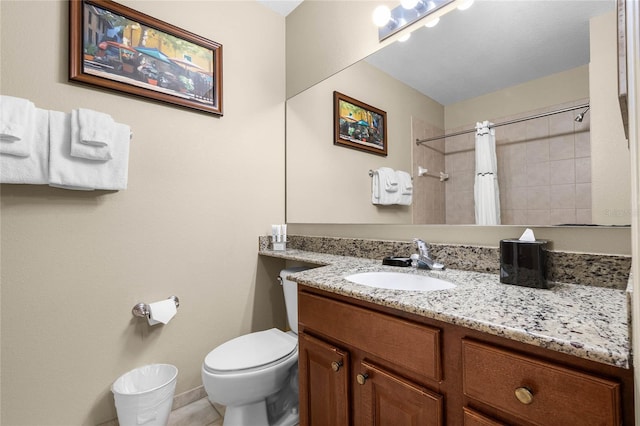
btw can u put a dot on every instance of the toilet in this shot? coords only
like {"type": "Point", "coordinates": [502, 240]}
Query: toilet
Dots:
{"type": "Point", "coordinates": [256, 375]}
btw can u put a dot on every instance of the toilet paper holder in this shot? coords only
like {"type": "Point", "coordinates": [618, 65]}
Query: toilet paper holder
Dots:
{"type": "Point", "coordinates": [141, 310]}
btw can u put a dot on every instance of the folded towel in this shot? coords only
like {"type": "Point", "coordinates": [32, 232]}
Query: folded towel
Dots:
{"type": "Point", "coordinates": [406, 188]}
{"type": "Point", "coordinates": [33, 169]}
{"type": "Point", "coordinates": [78, 173]}
{"type": "Point", "coordinates": [384, 189]}
{"type": "Point", "coordinates": [15, 114]}
{"type": "Point", "coordinates": [80, 149]}
{"type": "Point", "coordinates": [16, 124]}
{"type": "Point", "coordinates": [96, 128]}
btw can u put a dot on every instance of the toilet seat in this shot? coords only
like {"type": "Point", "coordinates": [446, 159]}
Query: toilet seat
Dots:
{"type": "Point", "coordinates": [251, 352]}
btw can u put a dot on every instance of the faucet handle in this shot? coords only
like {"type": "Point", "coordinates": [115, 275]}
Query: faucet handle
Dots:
{"type": "Point", "coordinates": [422, 247]}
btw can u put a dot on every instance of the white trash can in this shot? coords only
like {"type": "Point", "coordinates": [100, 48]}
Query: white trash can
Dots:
{"type": "Point", "coordinates": [144, 396]}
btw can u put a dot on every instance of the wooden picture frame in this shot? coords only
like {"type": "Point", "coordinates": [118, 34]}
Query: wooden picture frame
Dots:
{"type": "Point", "coordinates": [358, 125]}
{"type": "Point", "coordinates": [118, 48]}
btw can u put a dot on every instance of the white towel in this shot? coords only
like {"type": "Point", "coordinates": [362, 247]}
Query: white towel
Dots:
{"type": "Point", "coordinates": [406, 188]}
{"type": "Point", "coordinates": [33, 169]}
{"type": "Point", "coordinates": [81, 148]}
{"type": "Point", "coordinates": [17, 117]}
{"type": "Point", "coordinates": [384, 187]}
{"type": "Point", "coordinates": [78, 173]}
{"type": "Point", "coordinates": [96, 128]}
{"type": "Point", "coordinates": [13, 117]}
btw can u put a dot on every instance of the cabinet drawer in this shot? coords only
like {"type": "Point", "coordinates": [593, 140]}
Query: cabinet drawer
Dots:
{"type": "Point", "coordinates": [406, 344]}
{"type": "Point", "coordinates": [552, 394]}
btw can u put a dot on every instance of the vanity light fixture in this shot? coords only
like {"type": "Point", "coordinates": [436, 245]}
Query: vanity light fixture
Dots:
{"type": "Point", "coordinates": [390, 22]}
{"type": "Point", "coordinates": [432, 23]}
{"type": "Point", "coordinates": [381, 16]}
{"type": "Point", "coordinates": [409, 4]}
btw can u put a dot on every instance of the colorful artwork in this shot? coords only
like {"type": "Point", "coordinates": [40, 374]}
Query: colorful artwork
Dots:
{"type": "Point", "coordinates": [358, 125]}
{"type": "Point", "coordinates": [119, 48]}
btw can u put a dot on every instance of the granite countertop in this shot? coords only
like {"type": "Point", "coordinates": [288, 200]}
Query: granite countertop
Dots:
{"type": "Point", "coordinates": [584, 321]}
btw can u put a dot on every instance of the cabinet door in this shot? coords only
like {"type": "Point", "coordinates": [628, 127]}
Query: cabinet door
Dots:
{"type": "Point", "coordinates": [324, 383]}
{"type": "Point", "coordinates": [386, 399]}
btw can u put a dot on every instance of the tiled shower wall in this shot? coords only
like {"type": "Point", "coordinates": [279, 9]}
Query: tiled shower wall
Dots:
{"type": "Point", "coordinates": [428, 192]}
{"type": "Point", "coordinates": [544, 170]}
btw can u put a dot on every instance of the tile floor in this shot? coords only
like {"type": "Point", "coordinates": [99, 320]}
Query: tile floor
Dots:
{"type": "Point", "coordinates": [200, 412]}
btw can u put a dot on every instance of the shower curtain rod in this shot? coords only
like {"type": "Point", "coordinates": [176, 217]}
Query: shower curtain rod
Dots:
{"type": "Point", "coordinates": [518, 120]}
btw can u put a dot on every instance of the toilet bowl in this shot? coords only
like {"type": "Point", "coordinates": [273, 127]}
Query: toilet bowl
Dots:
{"type": "Point", "coordinates": [256, 375]}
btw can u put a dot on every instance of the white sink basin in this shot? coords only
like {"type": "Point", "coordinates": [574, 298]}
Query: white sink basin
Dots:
{"type": "Point", "coordinates": [399, 281]}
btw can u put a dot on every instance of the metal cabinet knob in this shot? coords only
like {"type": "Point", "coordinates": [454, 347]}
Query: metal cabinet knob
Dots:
{"type": "Point", "coordinates": [336, 365]}
{"type": "Point", "coordinates": [524, 395]}
{"type": "Point", "coordinates": [362, 378]}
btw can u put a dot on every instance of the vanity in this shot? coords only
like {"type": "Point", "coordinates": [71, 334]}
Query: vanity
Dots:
{"type": "Point", "coordinates": [482, 353]}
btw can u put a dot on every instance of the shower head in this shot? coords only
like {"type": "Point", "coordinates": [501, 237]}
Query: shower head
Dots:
{"type": "Point", "coordinates": [580, 116]}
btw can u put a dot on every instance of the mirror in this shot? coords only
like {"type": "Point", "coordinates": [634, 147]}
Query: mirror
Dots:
{"type": "Point", "coordinates": [536, 58]}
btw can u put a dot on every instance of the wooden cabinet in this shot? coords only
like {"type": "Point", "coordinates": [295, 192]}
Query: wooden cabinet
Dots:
{"type": "Point", "coordinates": [349, 359]}
{"type": "Point", "coordinates": [363, 364]}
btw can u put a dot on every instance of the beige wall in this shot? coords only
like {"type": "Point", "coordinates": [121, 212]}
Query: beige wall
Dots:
{"type": "Point", "coordinates": [611, 183]}
{"type": "Point", "coordinates": [201, 189]}
{"type": "Point", "coordinates": [331, 184]}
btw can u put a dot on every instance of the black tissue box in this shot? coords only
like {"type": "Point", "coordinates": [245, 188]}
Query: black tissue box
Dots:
{"type": "Point", "coordinates": [524, 263]}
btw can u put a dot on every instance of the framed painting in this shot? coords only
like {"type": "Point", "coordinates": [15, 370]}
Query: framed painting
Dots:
{"type": "Point", "coordinates": [115, 47]}
{"type": "Point", "coordinates": [358, 125]}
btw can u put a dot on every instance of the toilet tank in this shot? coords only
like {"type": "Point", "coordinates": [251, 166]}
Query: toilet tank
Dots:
{"type": "Point", "coordinates": [290, 289]}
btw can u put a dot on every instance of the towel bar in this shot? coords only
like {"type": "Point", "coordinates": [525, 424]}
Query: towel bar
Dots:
{"type": "Point", "coordinates": [141, 310]}
{"type": "Point", "coordinates": [424, 172]}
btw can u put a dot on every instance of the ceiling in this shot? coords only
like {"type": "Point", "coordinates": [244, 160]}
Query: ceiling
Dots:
{"type": "Point", "coordinates": [493, 45]}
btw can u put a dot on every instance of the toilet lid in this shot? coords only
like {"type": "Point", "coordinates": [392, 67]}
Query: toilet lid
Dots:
{"type": "Point", "coordinates": [251, 350]}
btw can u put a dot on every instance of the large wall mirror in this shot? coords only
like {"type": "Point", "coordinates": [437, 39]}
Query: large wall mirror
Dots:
{"type": "Point", "coordinates": [497, 61]}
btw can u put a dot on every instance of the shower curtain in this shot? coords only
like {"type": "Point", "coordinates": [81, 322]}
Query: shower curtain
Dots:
{"type": "Point", "coordinates": [487, 196]}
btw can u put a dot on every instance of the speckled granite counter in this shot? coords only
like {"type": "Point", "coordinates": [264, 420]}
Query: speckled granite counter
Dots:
{"type": "Point", "coordinates": [584, 321]}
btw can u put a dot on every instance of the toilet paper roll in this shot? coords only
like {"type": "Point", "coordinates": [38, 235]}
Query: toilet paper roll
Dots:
{"type": "Point", "coordinates": [161, 312]}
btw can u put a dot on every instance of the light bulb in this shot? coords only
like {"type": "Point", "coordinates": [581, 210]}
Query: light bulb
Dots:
{"type": "Point", "coordinates": [405, 37]}
{"type": "Point", "coordinates": [432, 23]}
{"type": "Point", "coordinates": [464, 5]}
{"type": "Point", "coordinates": [409, 4]}
{"type": "Point", "coordinates": [381, 15]}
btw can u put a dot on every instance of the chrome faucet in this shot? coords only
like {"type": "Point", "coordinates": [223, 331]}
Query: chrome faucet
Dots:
{"type": "Point", "coordinates": [422, 259]}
